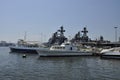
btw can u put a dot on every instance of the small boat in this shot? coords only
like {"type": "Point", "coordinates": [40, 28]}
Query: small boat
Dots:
{"type": "Point", "coordinates": [65, 49]}
{"type": "Point", "coordinates": [113, 53]}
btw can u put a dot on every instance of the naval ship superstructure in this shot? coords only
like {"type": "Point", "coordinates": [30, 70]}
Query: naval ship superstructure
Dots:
{"type": "Point", "coordinates": [57, 37]}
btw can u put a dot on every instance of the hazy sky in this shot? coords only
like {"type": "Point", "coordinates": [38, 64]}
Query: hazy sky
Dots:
{"type": "Point", "coordinates": [43, 17]}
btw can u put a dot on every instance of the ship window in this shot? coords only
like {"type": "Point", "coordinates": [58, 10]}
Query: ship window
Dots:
{"type": "Point", "coordinates": [67, 44]}
{"type": "Point", "coordinates": [55, 47]}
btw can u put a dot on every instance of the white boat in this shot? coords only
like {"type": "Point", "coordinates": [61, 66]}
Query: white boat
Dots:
{"type": "Point", "coordinates": [111, 53]}
{"type": "Point", "coordinates": [65, 49]}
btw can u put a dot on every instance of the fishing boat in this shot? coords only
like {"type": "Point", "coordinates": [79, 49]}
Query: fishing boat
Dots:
{"type": "Point", "coordinates": [65, 49]}
{"type": "Point", "coordinates": [113, 53]}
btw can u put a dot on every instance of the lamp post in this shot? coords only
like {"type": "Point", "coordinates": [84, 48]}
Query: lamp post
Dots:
{"type": "Point", "coordinates": [115, 34]}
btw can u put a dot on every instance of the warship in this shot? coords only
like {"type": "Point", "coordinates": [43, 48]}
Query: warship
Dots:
{"type": "Point", "coordinates": [82, 38]}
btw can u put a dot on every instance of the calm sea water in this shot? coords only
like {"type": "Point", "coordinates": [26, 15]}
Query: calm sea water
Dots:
{"type": "Point", "coordinates": [33, 67]}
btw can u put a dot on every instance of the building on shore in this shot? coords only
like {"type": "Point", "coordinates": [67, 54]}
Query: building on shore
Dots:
{"type": "Point", "coordinates": [6, 44]}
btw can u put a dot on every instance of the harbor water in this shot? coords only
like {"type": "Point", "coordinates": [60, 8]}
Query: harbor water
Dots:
{"type": "Point", "coordinates": [14, 67]}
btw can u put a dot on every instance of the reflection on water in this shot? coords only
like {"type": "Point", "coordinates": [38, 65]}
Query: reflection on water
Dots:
{"type": "Point", "coordinates": [33, 67]}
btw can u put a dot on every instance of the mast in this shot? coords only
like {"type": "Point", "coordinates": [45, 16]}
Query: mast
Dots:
{"type": "Point", "coordinates": [85, 37]}
{"type": "Point", "coordinates": [25, 36]}
{"type": "Point", "coordinates": [85, 31]}
{"type": "Point", "coordinates": [61, 30]}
